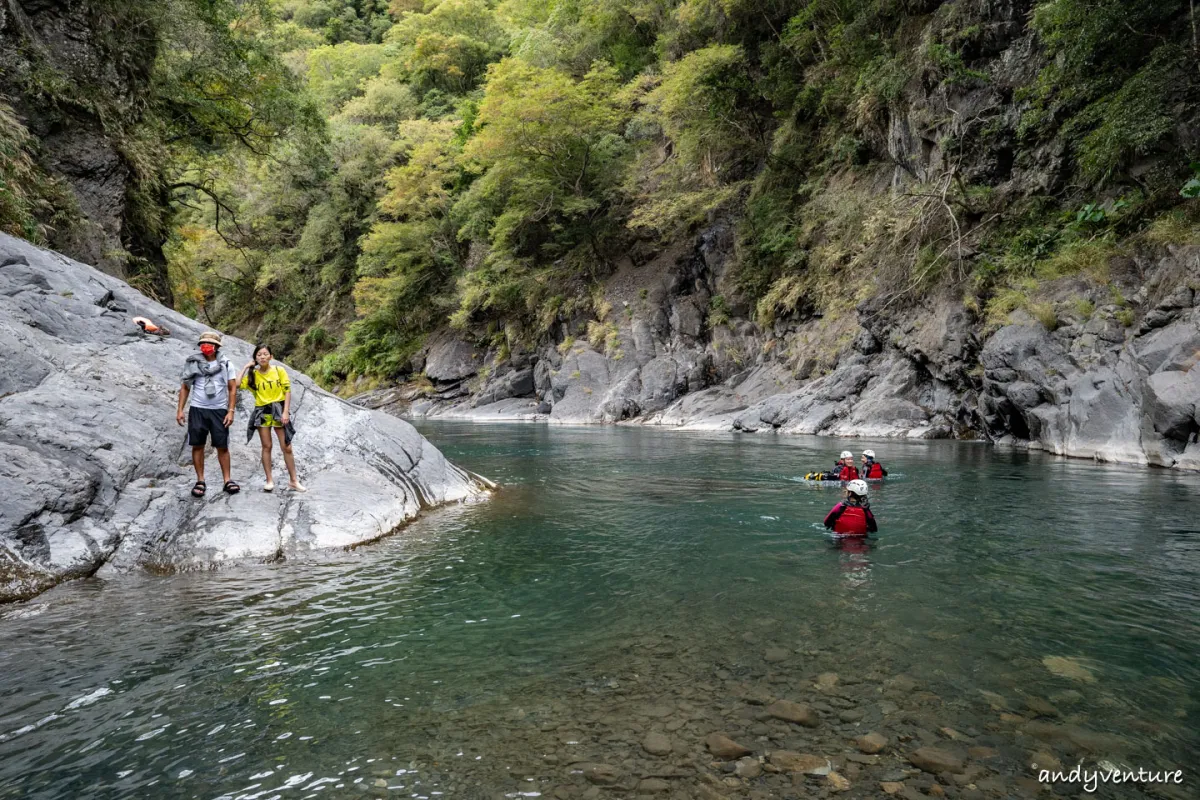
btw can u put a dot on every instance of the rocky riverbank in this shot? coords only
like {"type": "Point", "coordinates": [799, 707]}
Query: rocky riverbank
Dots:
{"type": "Point", "coordinates": [1108, 375]}
{"type": "Point", "coordinates": [94, 475]}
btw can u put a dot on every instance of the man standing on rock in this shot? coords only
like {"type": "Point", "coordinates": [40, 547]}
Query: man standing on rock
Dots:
{"type": "Point", "coordinates": [209, 379]}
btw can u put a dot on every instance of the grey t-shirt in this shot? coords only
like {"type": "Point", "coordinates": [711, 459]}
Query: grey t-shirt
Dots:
{"type": "Point", "coordinates": [219, 382]}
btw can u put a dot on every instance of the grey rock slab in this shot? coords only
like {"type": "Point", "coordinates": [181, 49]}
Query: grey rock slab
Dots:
{"type": "Point", "coordinates": [1170, 400]}
{"type": "Point", "coordinates": [452, 359]}
{"type": "Point", "coordinates": [93, 468]}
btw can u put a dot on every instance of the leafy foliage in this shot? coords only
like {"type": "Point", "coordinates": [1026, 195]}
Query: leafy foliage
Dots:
{"type": "Point", "coordinates": [484, 164]}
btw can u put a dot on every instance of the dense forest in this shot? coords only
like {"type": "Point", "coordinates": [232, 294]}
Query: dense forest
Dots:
{"type": "Point", "coordinates": [339, 178]}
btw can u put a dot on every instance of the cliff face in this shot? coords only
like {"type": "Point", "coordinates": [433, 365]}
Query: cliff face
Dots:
{"type": "Point", "coordinates": [76, 76]}
{"type": "Point", "coordinates": [911, 315]}
{"type": "Point", "coordinates": [93, 469]}
{"type": "Point", "coordinates": [1113, 381]}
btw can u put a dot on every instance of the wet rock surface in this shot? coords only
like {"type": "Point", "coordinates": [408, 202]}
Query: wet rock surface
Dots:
{"type": "Point", "coordinates": [93, 468]}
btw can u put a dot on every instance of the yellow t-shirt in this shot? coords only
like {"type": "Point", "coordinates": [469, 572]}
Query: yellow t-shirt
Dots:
{"type": "Point", "coordinates": [269, 386]}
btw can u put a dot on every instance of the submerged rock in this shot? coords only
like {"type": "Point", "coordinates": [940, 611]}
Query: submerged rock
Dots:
{"type": "Point", "coordinates": [871, 742]}
{"type": "Point", "coordinates": [602, 774]}
{"type": "Point", "coordinates": [725, 748]}
{"type": "Point", "coordinates": [798, 713]}
{"type": "Point", "coordinates": [1071, 668]}
{"type": "Point", "coordinates": [807, 763]}
{"type": "Point", "coordinates": [657, 744]}
{"type": "Point", "coordinates": [932, 759]}
{"type": "Point", "coordinates": [775, 655]}
{"type": "Point", "coordinates": [94, 470]}
{"type": "Point", "coordinates": [838, 782]}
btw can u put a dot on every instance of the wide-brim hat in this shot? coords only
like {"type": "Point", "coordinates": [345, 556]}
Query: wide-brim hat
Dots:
{"type": "Point", "coordinates": [210, 337]}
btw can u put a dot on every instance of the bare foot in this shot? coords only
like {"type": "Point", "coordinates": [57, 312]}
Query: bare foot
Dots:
{"type": "Point", "coordinates": [295, 487]}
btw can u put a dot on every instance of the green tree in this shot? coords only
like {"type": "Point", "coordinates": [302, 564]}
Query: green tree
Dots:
{"type": "Point", "coordinates": [704, 106]}
{"type": "Point", "coordinates": [449, 48]}
{"type": "Point", "coordinates": [551, 156]}
{"type": "Point", "coordinates": [337, 72]}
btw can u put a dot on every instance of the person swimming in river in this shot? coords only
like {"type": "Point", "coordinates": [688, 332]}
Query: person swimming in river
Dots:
{"type": "Point", "coordinates": [272, 390]}
{"type": "Point", "coordinates": [844, 467]}
{"type": "Point", "coordinates": [871, 470]}
{"type": "Point", "coordinates": [852, 516]}
{"type": "Point", "coordinates": [843, 470]}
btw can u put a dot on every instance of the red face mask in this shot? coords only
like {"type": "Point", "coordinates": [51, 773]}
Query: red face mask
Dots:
{"type": "Point", "coordinates": [208, 349]}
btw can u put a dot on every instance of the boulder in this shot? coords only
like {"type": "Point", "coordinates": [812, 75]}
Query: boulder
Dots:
{"type": "Point", "coordinates": [580, 385]}
{"type": "Point", "coordinates": [686, 317]}
{"type": "Point", "coordinates": [1170, 400]}
{"type": "Point", "coordinates": [451, 359]}
{"type": "Point", "coordinates": [662, 380]}
{"type": "Point", "coordinates": [93, 468]}
{"type": "Point", "coordinates": [514, 383]}
{"type": "Point", "coordinates": [1174, 347]}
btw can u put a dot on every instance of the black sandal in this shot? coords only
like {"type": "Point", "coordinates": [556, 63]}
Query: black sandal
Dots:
{"type": "Point", "coordinates": [199, 489]}
{"type": "Point", "coordinates": [231, 487]}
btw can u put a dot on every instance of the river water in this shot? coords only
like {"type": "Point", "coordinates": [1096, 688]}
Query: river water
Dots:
{"type": "Point", "coordinates": [622, 582]}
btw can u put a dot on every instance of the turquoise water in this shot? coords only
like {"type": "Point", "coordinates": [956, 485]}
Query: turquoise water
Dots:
{"type": "Point", "coordinates": [628, 580]}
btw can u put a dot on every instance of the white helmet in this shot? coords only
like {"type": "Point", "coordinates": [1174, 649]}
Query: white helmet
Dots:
{"type": "Point", "coordinates": [869, 453]}
{"type": "Point", "coordinates": [857, 487]}
{"type": "Point", "coordinates": [846, 454]}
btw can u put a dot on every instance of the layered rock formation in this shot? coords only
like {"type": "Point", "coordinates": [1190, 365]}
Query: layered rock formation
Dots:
{"type": "Point", "coordinates": [1113, 381]}
{"type": "Point", "coordinates": [93, 469]}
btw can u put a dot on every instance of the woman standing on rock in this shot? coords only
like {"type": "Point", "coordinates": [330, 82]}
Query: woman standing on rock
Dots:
{"type": "Point", "coordinates": [272, 390]}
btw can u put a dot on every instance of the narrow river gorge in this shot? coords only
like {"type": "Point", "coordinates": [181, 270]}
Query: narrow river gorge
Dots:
{"type": "Point", "coordinates": [626, 594]}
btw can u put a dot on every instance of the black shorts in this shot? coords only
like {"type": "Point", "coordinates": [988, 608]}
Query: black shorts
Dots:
{"type": "Point", "coordinates": [202, 422]}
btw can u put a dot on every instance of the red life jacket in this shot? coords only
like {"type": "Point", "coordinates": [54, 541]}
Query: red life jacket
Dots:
{"type": "Point", "coordinates": [875, 472]}
{"type": "Point", "coordinates": [848, 519]}
{"type": "Point", "coordinates": [848, 474]}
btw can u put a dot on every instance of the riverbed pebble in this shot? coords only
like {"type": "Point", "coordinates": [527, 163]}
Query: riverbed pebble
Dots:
{"type": "Point", "coordinates": [798, 713]}
{"type": "Point", "coordinates": [935, 760]}
{"type": "Point", "coordinates": [871, 742]}
{"type": "Point", "coordinates": [725, 748]}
